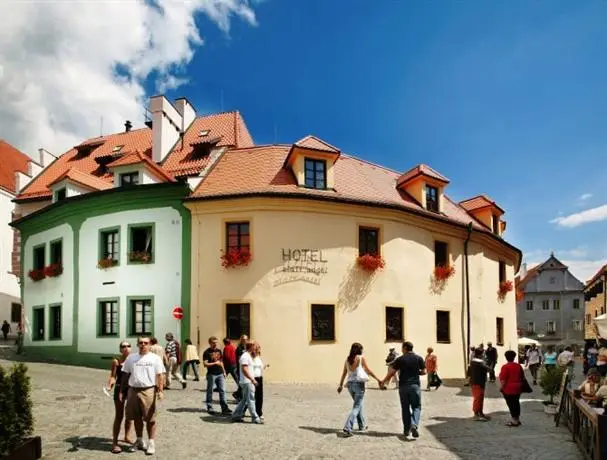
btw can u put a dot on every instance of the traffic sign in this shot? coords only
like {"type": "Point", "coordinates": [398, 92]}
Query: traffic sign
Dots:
{"type": "Point", "coordinates": [177, 312]}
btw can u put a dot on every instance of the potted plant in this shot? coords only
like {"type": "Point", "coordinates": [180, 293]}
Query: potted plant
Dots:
{"type": "Point", "coordinates": [140, 256]}
{"type": "Point", "coordinates": [370, 262]}
{"type": "Point", "coordinates": [443, 272]}
{"type": "Point", "coordinates": [504, 288]}
{"type": "Point", "coordinates": [550, 382]}
{"type": "Point", "coordinates": [53, 270]}
{"type": "Point", "coordinates": [36, 274]}
{"type": "Point", "coordinates": [107, 263]}
{"type": "Point", "coordinates": [16, 420]}
{"type": "Point", "coordinates": [235, 257]}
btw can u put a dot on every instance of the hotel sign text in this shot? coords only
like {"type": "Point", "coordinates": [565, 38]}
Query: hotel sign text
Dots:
{"type": "Point", "coordinates": [306, 265]}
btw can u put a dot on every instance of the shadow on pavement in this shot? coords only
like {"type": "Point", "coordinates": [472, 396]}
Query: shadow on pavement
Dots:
{"type": "Point", "coordinates": [339, 433]}
{"type": "Point", "coordinates": [216, 419]}
{"type": "Point", "coordinates": [179, 410]}
{"type": "Point", "coordinates": [89, 443]}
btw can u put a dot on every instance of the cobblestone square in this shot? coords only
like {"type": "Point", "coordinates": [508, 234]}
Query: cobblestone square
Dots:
{"type": "Point", "coordinates": [74, 418]}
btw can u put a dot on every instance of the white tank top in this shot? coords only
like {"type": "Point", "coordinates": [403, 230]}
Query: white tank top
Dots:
{"type": "Point", "coordinates": [357, 374]}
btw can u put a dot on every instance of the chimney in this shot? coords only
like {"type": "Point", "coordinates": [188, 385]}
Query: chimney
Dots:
{"type": "Point", "coordinates": [187, 112]}
{"type": "Point", "coordinates": [127, 126]}
{"type": "Point", "coordinates": [523, 270]}
{"type": "Point", "coordinates": [167, 124]}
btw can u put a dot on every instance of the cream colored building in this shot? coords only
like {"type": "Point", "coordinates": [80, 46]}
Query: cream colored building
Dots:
{"type": "Point", "coordinates": [304, 213]}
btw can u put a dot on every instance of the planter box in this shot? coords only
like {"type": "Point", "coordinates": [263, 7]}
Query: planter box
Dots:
{"type": "Point", "coordinates": [31, 449]}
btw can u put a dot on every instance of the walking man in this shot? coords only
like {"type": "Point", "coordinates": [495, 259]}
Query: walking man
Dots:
{"type": "Point", "coordinates": [172, 354]}
{"type": "Point", "coordinates": [143, 374]}
{"type": "Point", "coordinates": [410, 366]}
{"type": "Point", "coordinates": [229, 359]}
{"type": "Point", "coordinates": [240, 349]}
{"type": "Point", "coordinates": [247, 386]}
{"type": "Point", "coordinates": [534, 361]}
{"type": "Point", "coordinates": [212, 360]}
{"type": "Point", "coordinates": [491, 360]}
{"type": "Point", "coordinates": [6, 328]}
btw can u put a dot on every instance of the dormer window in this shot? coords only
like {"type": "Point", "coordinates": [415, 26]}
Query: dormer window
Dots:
{"type": "Point", "coordinates": [128, 179]}
{"type": "Point", "coordinates": [432, 198]}
{"type": "Point", "coordinates": [204, 132]}
{"type": "Point", "coordinates": [316, 173]}
{"type": "Point", "coordinates": [117, 148]}
{"type": "Point", "coordinates": [61, 194]}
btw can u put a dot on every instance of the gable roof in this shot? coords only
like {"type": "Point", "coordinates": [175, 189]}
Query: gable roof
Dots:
{"type": "Point", "coordinates": [313, 142]}
{"type": "Point", "coordinates": [133, 158]}
{"type": "Point", "coordinates": [478, 202]}
{"type": "Point", "coordinates": [87, 180]}
{"type": "Point", "coordinates": [229, 126]}
{"type": "Point", "coordinates": [421, 170]}
{"type": "Point", "coordinates": [11, 161]}
{"type": "Point", "coordinates": [260, 170]}
{"type": "Point", "coordinates": [553, 264]}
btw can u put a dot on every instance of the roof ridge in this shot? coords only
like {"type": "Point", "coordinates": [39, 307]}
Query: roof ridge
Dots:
{"type": "Point", "coordinates": [362, 160]}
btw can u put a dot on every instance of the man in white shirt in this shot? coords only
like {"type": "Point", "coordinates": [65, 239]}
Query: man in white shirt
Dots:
{"type": "Point", "coordinates": [534, 361]}
{"type": "Point", "coordinates": [247, 385]}
{"type": "Point", "coordinates": [143, 372]}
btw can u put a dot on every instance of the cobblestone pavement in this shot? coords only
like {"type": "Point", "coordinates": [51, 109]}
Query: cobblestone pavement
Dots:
{"type": "Point", "coordinates": [303, 422]}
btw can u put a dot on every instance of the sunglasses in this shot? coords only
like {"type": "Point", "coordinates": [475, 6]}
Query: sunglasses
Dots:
{"type": "Point", "coordinates": [126, 345]}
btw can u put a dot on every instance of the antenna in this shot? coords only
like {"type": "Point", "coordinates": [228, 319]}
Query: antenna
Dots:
{"type": "Point", "coordinates": [101, 126]}
{"type": "Point", "coordinates": [222, 99]}
{"type": "Point", "coordinates": [275, 132]}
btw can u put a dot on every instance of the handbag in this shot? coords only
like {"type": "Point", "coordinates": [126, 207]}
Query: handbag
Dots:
{"type": "Point", "coordinates": [525, 387]}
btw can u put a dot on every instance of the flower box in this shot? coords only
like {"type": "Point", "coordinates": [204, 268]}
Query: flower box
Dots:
{"type": "Point", "coordinates": [235, 258]}
{"type": "Point", "coordinates": [107, 263]}
{"type": "Point", "coordinates": [36, 274]}
{"type": "Point", "coordinates": [53, 270]}
{"type": "Point", "coordinates": [443, 272]}
{"type": "Point", "coordinates": [505, 288]}
{"type": "Point", "coordinates": [370, 262]}
{"type": "Point", "coordinates": [140, 257]}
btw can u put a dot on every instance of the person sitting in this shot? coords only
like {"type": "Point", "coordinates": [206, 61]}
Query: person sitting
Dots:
{"type": "Point", "coordinates": [590, 387]}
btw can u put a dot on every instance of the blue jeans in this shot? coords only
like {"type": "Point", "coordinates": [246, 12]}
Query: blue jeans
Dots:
{"type": "Point", "coordinates": [247, 402]}
{"type": "Point", "coordinates": [411, 405]}
{"type": "Point", "coordinates": [220, 381]}
{"type": "Point", "coordinates": [357, 391]}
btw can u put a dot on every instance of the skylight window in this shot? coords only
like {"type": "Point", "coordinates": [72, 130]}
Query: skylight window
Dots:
{"type": "Point", "coordinates": [204, 132]}
{"type": "Point", "coordinates": [117, 148]}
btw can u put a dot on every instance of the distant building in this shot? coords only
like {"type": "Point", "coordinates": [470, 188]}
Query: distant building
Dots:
{"type": "Point", "coordinates": [550, 304]}
{"type": "Point", "coordinates": [595, 301]}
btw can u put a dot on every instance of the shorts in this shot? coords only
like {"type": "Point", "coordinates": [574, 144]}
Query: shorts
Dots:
{"type": "Point", "coordinates": [141, 404]}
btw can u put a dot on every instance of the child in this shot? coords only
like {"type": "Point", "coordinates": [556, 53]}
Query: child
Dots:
{"type": "Point", "coordinates": [478, 380]}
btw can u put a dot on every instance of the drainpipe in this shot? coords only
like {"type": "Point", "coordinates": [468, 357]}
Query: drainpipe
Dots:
{"type": "Point", "coordinates": [467, 281]}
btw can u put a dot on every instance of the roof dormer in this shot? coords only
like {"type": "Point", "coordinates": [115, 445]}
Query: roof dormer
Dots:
{"type": "Point", "coordinates": [425, 185]}
{"type": "Point", "coordinates": [312, 161]}
{"type": "Point", "coordinates": [135, 168]}
{"type": "Point", "coordinates": [73, 183]}
{"type": "Point", "coordinates": [487, 212]}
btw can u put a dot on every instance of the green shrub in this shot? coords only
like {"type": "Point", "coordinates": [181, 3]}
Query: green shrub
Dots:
{"type": "Point", "coordinates": [16, 420]}
{"type": "Point", "coordinates": [550, 381]}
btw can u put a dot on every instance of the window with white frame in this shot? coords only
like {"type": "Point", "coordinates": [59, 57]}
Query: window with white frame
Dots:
{"type": "Point", "coordinates": [530, 305]}
{"type": "Point", "coordinates": [550, 327]}
{"type": "Point", "coordinates": [577, 325]}
{"type": "Point", "coordinates": [530, 327]}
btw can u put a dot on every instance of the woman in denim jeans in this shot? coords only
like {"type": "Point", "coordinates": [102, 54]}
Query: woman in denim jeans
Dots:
{"type": "Point", "coordinates": [358, 374]}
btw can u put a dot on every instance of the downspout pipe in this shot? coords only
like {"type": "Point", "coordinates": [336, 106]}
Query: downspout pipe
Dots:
{"type": "Point", "coordinates": [467, 281]}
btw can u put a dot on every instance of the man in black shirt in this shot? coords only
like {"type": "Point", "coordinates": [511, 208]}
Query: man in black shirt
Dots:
{"type": "Point", "coordinates": [491, 360]}
{"type": "Point", "coordinates": [410, 366]}
{"type": "Point", "coordinates": [213, 361]}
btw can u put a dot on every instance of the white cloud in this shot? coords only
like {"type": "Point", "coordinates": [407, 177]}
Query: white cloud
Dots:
{"type": "Point", "coordinates": [580, 218]}
{"type": "Point", "coordinates": [59, 61]}
{"type": "Point", "coordinates": [585, 196]}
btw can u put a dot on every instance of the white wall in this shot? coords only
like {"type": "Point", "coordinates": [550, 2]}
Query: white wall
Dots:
{"type": "Point", "coordinates": [50, 290]}
{"type": "Point", "coordinates": [9, 286]}
{"type": "Point", "coordinates": [71, 189]}
{"type": "Point", "coordinates": [161, 279]}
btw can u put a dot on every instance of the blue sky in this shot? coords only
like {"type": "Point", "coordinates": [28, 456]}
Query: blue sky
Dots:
{"type": "Point", "coordinates": [504, 98]}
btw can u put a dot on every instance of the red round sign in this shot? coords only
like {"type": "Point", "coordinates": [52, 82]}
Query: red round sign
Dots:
{"type": "Point", "coordinates": [177, 312]}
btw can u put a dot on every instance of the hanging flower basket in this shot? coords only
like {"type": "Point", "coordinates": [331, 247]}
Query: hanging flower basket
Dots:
{"type": "Point", "coordinates": [370, 262]}
{"type": "Point", "coordinates": [36, 274]}
{"type": "Point", "coordinates": [53, 270]}
{"type": "Point", "coordinates": [505, 288]}
{"type": "Point", "coordinates": [443, 272]}
{"type": "Point", "coordinates": [520, 295]}
{"type": "Point", "coordinates": [140, 257]}
{"type": "Point", "coordinates": [235, 257]}
{"type": "Point", "coordinates": [107, 263]}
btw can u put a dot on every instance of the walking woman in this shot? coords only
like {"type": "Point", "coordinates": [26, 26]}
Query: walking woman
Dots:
{"type": "Point", "coordinates": [511, 386]}
{"type": "Point", "coordinates": [550, 358]}
{"type": "Point", "coordinates": [116, 377]}
{"type": "Point", "coordinates": [358, 374]}
{"type": "Point", "coordinates": [258, 368]}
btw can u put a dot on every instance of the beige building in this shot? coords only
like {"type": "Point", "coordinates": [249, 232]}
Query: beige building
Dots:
{"type": "Point", "coordinates": [288, 243]}
{"type": "Point", "coordinates": [595, 301]}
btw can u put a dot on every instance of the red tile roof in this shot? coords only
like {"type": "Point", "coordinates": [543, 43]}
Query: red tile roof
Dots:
{"type": "Point", "coordinates": [602, 271]}
{"type": "Point", "coordinates": [11, 161]}
{"type": "Point", "coordinates": [520, 284]}
{"type": "Point", "coordinates": [313, 142]}
{"type": "Point", "coordinates": [137, 157]}
{"type": "Point", "coordinates": [478, 202]}
{"type": "Point", "coordinates": [229, 126]}
{"type": "Point", "coordinates": [261, 170]}
{"type": "Point", "coordinates": [421, 170]}
{"type": "Point", "coordinates": [84, 179]}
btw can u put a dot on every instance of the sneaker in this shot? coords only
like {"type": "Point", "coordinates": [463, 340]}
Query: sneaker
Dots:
{"type": "Point", "coordinates": [261, 418]}
{"type": "Point", "coordinates": [414, 432]}
{"type": "Point", "coordinates": [210, 411]}
{"type": "Point", "coordinates": [347, 434]}
{"type": "Point", "coordinates": [196, 380]}
{"type": "Point", "coordinates": [151, 450]}
{"type": "Point", "coordinates": [486, 417]}
{"type": "Point", "coordinates": [259, 421]}
{"type": "Point", "coordinates": [226, 412]}
{"type": "Point", "coordinates": [184, 384]}
{"type": "Point", "coordinates": [138, 445]}
{"type": "Point", "coordinates": [479, 418]}
{"type": "Point", "coordinates": [363, 429]}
